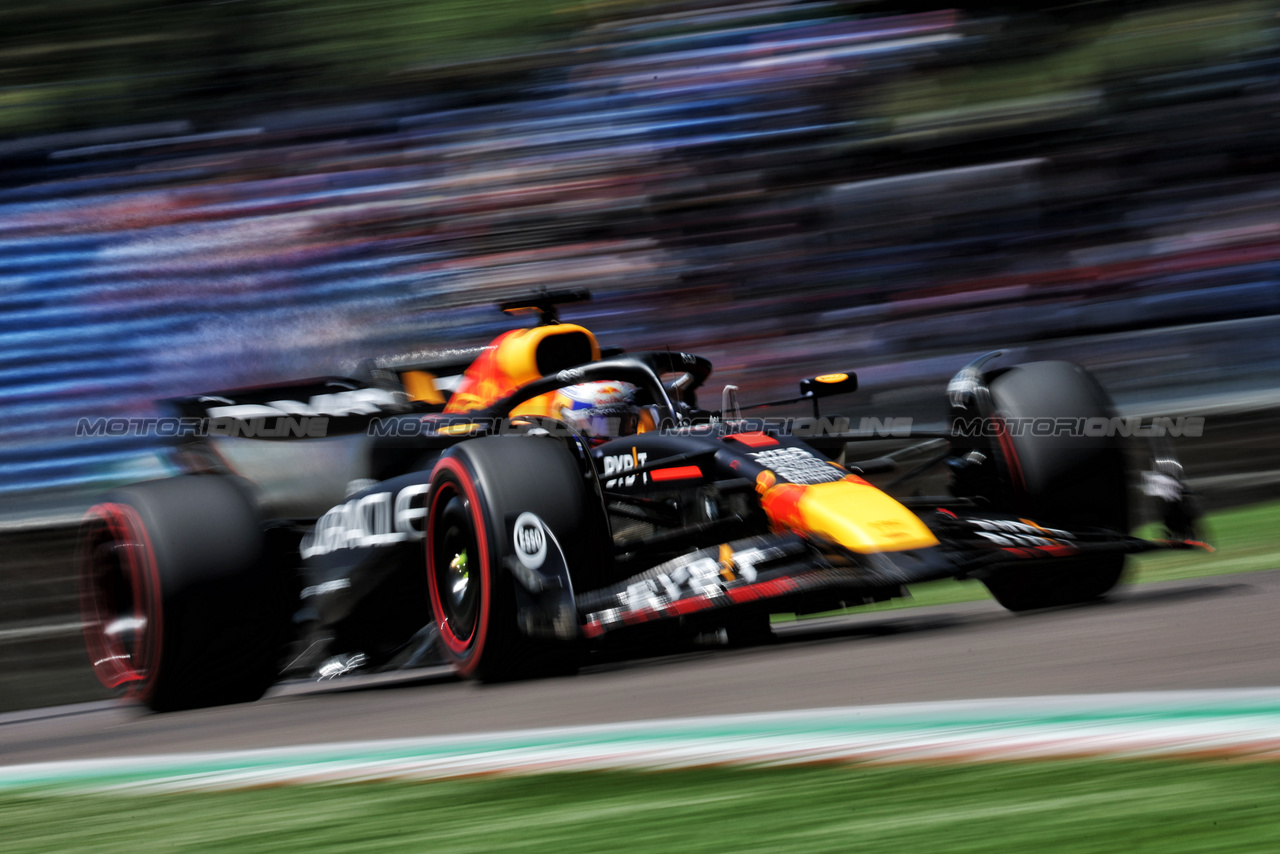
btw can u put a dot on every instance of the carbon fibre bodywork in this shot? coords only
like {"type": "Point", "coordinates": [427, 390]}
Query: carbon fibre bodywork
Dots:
{"type": "Point", "coordinates": [443, 511]}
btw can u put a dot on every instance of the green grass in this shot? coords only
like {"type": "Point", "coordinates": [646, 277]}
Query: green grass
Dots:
{"type": "Point", "coordinates": [1245, 539]}
{"type": "Point", "coordinates": [1075, 806]}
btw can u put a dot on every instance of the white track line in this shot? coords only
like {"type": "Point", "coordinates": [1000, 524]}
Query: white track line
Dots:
{"type": "Point", "coordinates": [1199, 723]}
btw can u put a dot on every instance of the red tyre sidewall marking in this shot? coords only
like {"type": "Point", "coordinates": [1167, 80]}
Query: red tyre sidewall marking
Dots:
{"type": "Point", "coordinates": [113, 666]}
{"type": "Point", "coordinates": [465, 664]}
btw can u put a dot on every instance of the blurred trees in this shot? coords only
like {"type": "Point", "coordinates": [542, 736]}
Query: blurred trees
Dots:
{"type": "Point", "coordinates": [82, 63]}
{"type": "Point", "coordinates": [70, 64]}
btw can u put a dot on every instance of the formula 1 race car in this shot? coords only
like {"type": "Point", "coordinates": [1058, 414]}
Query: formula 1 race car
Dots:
{"type": "Point", "coordinates": [482, 507]}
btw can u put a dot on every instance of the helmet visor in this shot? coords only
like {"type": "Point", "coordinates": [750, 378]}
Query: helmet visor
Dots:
{"type": "Point", "coordinates": [607, 422]}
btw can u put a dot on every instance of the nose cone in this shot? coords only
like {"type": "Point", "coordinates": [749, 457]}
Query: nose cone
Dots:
{"type": "Point", "coordinates": [853, 514]}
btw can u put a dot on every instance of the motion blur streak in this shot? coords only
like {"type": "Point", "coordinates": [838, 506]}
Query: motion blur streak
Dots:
{"type": "Point", "coordinates": [1241, 723]}
{"type": "Point", "coordinates": [888, 187]}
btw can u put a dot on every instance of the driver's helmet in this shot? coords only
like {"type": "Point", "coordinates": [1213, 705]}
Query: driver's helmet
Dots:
{"type": "Point", "coordinates": [600, 410]}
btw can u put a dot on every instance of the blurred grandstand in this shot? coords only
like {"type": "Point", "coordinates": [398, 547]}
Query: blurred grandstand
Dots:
{"type": "Point", "coordinates": [786, 187]}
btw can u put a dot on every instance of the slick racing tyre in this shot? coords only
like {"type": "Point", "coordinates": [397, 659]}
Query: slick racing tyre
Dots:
{"type": "Point", "coordinates": [484, 494]}
{"type": "Point", "coordinates": [1061, 478]}
{"type": "Point", "coordinates": [176, 609]}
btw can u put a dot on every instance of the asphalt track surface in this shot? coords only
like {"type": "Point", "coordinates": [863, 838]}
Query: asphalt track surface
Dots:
{"type": "Point", "coordinates": [1217, 632]}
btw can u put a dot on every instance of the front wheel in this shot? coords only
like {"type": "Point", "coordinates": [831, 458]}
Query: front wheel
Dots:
{"type": "Point", "coordinates": [461, 576]}
{"type": "Point", "coordinates": [1073, 477]}
{"type": "Point", "coordinates": [496, 503]}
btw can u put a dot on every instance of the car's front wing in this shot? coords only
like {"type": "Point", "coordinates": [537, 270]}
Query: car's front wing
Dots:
{"type": "Point", "coordinates": [788, 571]}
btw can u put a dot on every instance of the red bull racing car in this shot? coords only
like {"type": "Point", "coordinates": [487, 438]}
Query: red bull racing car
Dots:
{"type": "Point", "coordinates": [514, 508]}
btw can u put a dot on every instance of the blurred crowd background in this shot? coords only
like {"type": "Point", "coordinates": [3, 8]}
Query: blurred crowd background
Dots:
{"type": "Point", "coordinates": [201, 195]}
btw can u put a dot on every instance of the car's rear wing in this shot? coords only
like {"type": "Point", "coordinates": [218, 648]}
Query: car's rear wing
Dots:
{"type": "Point", "coordinates": [328, 406]}
{"type": "Point", "coordinates": [312, 408]}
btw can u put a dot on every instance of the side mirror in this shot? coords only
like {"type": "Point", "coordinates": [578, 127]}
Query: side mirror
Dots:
{"type": "Point", "coordinates": [813, 388]}
{"type": "Point", "coordinates": [827, 385]}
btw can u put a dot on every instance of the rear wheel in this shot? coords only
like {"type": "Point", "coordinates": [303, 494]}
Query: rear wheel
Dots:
{"type": "Point", "coordinates": [482, 492]}
{"type": "Point", "coordinates": [1064, 477]}
{"type": "Point", "coordinates": [176, 608]}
